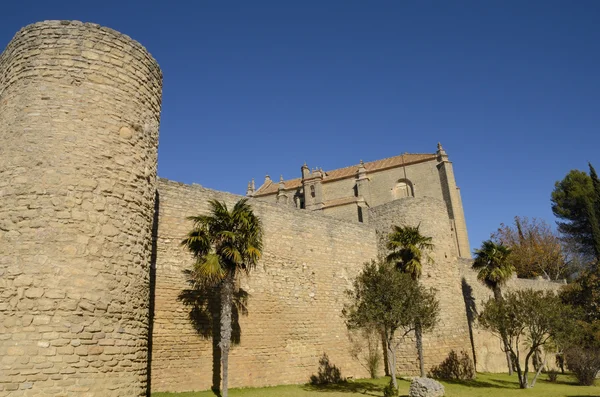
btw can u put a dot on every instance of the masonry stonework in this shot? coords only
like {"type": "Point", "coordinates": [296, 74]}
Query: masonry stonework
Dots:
{"type": "Point", "coordinates": [79, 116]}
{"type": "Point", "coordinates": [93, 298]}
{"type": "Point", "coordinates": [441, 274]}
{"type": "Point", "coordinates": [349, 192]}
{"type": "Point", "coordinates": [294, 296]}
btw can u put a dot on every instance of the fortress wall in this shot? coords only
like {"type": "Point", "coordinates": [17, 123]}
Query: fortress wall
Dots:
{"type": "Point", "coordinates": [443, 275]}
{"type": "Point", "coordinates": [348, 212]}
{"type": "Point", "coordinates": [79, 116]}
{"type": "Point", "coordinates": [489, 356]}
{"type": "Point", "coordinates": [295, 296]}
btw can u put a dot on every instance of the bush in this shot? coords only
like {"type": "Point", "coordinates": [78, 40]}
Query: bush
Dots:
{"type": "Point", "coordinates": [455, 367]}
{"type": "Point", "coordinates": [328, 373]}
{"type": "Point", "coordinates": [390, 390]}
{"type": "Point", "coordinates": [365, 349]}
{"type": "Point", "coordinates": [552, 376]}
{"type": "Point", "coordinates": [584, 362]}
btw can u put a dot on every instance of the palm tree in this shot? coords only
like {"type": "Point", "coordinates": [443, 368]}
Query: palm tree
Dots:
{"type": "Point", "coordinates": [494, 270]}
{"type": "Point", "coordinates": [407, 248]}
{"type": "Point", "coordinates": [223, 244]}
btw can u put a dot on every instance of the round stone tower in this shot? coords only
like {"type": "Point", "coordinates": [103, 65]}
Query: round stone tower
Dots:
{"type": "Point", "coordinates": [79, 116]}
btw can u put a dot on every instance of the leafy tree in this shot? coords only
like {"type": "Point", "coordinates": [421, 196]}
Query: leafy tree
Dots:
{"type": "Point", "coordinates": [593, 211]}
{"type": "Point", "coordinates": [223, 244]}
{"type": "Point", "coordinates": [407, 248]}
{"type": "Point", "coordinates": [535, 249]}
{"type": "Point", "coordinates": [576, 202]}
{"type": "Point", "coordinates": [581, 341]}
{"type": "Point", "coordinates": [527, 316]}
{"type": "Point", "coordinates": [494, 270]}
{"type": "Point", "coordinates": [582, 350]}
{"type": "Point", "coordinates": [389, 300]}
{"type": "Point", "coordinates": [584, 294]}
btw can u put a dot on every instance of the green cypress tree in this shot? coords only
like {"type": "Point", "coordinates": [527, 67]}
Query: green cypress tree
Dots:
{"type": "Point", "coordinates": [593, 211]}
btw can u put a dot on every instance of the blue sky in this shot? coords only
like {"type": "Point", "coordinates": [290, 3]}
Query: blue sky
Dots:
{"type": "Point", "coordinates": [510, 88]}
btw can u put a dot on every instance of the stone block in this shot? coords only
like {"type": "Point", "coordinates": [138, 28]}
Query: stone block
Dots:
{"type": "Point", "coordinates": [425, 387]}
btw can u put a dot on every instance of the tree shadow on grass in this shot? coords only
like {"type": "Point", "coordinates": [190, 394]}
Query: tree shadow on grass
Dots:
{"type": "Point", "coordinates": [476, 383]}
{"type": "Point", "coordinates": [366, 388]}
{"type": "Point", "coordinates": [204, 304]}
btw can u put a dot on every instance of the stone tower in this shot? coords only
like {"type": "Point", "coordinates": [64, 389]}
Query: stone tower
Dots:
{"type": "Point", "coordinates": [79, 116]}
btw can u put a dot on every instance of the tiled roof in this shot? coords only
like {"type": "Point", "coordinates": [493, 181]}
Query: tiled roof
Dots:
{"type": "Point", "coordinates": [346, 172]}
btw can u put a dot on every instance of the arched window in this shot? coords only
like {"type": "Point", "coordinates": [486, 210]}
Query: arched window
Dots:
{"type": "Point", "coordinates": [403, 188]}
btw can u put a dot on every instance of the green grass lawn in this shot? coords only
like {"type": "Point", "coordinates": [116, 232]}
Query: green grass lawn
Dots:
{"type": "Point", "coordinates": [486, 385]}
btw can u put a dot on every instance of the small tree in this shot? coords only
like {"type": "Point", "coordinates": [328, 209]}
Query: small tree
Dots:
{"type": "Point", "coordinates": [581, 340]}
{"type": "Point", "coordinates": [408, 250]}
{"type": "Point", "coordinates": [527, 320]}
{"type": "Point", "coordinates": [365, 348]}
{"type": "Point", "coordinates": [494, 270]}
{"type": "Point", "coordinates": [535, 249]}
{"type": "Point", "coordinates": [389, 300]}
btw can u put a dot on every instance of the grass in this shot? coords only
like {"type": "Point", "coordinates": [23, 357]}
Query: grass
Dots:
{"type": "Point", "coordinates": [486, 385]}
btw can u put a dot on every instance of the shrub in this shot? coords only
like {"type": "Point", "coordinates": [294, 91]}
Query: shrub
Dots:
{"type": "Point", "coordinates": [552, 375]}
{"type": "Point", "coordinates": [365, 349]}
{"type": "Point", "coordinates": [584, 362]}
{"type": "Point", "coordinates": [390, 390]}
{"type": "Point", "coordinates": [328, 373]}
{"type": "Point", "coordinates": [455, 367]}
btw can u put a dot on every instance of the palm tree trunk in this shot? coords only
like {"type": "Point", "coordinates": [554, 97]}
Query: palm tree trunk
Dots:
{"type": "Point", "coordinates": [419, 336]}
{"type": "Point", "coordinates": [225, 343]}
{"type": "Point", "coordinates": [498, 297]}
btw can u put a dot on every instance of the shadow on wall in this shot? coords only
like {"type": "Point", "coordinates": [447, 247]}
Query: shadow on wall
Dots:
{"type": "Point", "coordinates": [204, 304]}
{"type": "Point", "coordinates": [471, 310]}
{"type": "Point", "coordinates": [152, 293]}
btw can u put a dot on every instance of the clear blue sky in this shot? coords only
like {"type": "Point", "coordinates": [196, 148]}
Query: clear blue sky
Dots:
{"type": "Point", "coordinates": [510, 88]}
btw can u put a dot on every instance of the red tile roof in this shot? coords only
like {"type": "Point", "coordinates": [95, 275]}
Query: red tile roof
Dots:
{"type": "Point", "coordinates": [341, 173]}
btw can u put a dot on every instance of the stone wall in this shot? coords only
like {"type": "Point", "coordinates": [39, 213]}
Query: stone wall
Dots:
{"type": "Point", "coordinates": [348, 212]}
{"type": "Point", "coordinates": [295, 296]}
{"type": "Point", "coordinates": [79, 116]}
{"type": "Point", "coordinates": [488, 356]}
{"type": "Point", "coordinates": [91, 267]}
{"type": "Point", "coordinates": [431, 216]}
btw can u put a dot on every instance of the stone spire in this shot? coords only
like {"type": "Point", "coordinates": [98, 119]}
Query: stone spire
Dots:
{"type": "Point", "coordinates": [251, 188]}
{"type": "Point", "coordinates": [441, 153]}
{"type": "Point", "coordinates": [282, 197]}
{"type": "Point", "coordinates": [362, 171]}
{"type": "Point", "coordinates": [267, 178]}
{"type": "Point", "coordinates": [281, 183]}
{"type": "Point", "coordinates": [305, 171]}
